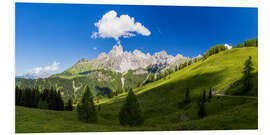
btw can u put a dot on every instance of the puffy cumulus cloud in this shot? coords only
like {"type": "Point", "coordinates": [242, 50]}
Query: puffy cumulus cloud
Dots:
{"type": "Point", "coordinates": [111, 26]}
{"type": "Point", "coordinates": [228, 46]}
{"type": "Point", "coordinates": [53, 67]}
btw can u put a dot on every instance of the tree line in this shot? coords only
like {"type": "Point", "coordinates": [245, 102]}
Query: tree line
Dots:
{"type": "Point", "coordinates": [47, 99]}
{"type": "Point", "coordinates": [248, 43]}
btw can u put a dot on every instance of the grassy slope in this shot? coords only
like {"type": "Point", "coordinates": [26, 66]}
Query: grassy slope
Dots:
{"type": "Point", "coordinates": [159, 102]}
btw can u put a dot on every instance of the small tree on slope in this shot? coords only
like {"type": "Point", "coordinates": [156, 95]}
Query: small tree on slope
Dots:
{"type": "Point", "coordinates": [247, 74]}
{"type": "Point", "coordinates": [130, 113]}
{"type": "Point", "coordinates": [69, 106]}
{"type": "Point", "coordinates": [210, 94]}
{"type": "Point", "coordinates": [201, 104]}
{"type": "Point", "coordinates": [86, 108]}
{"type": "Point", "coordinates": [187, 97]}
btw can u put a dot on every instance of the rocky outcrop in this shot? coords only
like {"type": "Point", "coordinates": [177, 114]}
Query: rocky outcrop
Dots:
{"type": "Point", "coordinates": [118, 60]}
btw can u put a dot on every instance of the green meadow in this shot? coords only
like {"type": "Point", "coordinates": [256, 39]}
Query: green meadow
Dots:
{"type": "Point", "coordinates": [159, 101]}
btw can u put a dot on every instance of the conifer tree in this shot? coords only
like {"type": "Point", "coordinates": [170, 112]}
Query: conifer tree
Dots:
{"type": "Point", "coordinates": [130, 113]}
{"type": "Point", "coordinates": [201, 104]}
{"type": "Point", "coordinates": [247, 74]}
{"type": "Point", "coordinates": [204, 97]}
{"type": "Point", "coordinates": [69, 106]}
{"type": "Point", "coordinates": [187, 97]}
{"type": "Point", "coordinates": [59, 101]}
{"type": "Point", "coordinates": [42, 104]}
{"type": "Point", "coordinates": [210, 94]}
{"type": "Point", "coordinates": [86, 109]}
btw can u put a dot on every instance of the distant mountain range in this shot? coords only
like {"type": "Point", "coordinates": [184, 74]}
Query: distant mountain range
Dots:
{"type": "Point", "coordinates": [121, 61]}
{"type": "Point", "coordinates": [34, 75]}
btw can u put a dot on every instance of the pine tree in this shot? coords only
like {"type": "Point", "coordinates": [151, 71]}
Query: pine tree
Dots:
{"type": "Point", "coordinates": [42, 104]}
{"type": "Point", "coordinates": [99, 108]}
{"type": "Point", "coordinates": [204, 97]}
{"type": "Point", "coordinates": [86, 109]}
{"type": "Point", "coordinates": [69, 106]}
{"type": "Point", "coordinates": [210, 94]}
{"type": "Point", "coordinates": [59, 101]}
{"type": "Point", "coordinates": [247, 74]}
{"type": "Point", "coordinates": [201, 104]}
{"type": "Point", "coordinates": [187, 97]}
{"type": "Point", "coordinates": [130, 113]}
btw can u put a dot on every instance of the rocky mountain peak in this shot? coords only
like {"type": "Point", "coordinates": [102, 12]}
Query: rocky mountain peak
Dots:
{"type": "Point", "coordinates": [118, 60]}
{"type": "Point", "coordinates": [83, 60]}
{"type": "Point", "coordinates": [117, 50]}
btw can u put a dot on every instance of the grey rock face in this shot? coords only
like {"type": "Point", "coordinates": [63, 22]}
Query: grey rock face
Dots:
{"type": "Point", "coordinates": [118, 60]}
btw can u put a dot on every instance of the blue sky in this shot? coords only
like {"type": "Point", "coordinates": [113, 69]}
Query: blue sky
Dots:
{"type": "Point", "coordinates": [56, 36]}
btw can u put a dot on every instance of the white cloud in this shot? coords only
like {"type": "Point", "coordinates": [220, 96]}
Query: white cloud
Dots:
{"type": "Point", "coordinates": [53, 67]}
{"type": "Point", "coordinates": [111, 26]}
{"type": "Point", "coordinates": [228, 46]}
{"type": "Point", "coordinates": [94, 48]}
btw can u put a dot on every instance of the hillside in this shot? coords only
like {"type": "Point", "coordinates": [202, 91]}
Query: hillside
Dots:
{"type": "Point", "coordinates": [159, 101]}
{"type": "Point", "coordinates": [115, 71]}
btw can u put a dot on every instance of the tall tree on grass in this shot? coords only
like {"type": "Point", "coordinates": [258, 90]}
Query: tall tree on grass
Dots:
{"type": "Point", "coordinates": [130, 113]}
{"type": "Point", "coordinates": [187, 97]}
{"type": "Point", "coordinates": [86, 108]}
{"type": "Point", "coordinates": [247, 74]}
{"type": "Point", "coordinates": [201, 104]}
{"type": "Point", "coordinates": [69, 106]}
{"type": "Point", "coordinates": [59, 101]}
{"type": "Point", "coordinates": [210, 94]}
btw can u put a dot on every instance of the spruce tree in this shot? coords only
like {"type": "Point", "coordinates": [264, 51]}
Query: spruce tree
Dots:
{"type": "Point", "coordinates": [59, 101]}
{"type": "Point", "coordinates": [201, 104]}
{"type": "Point", "coordinates": [86, 109]}
{"type": "Point", "coordinates": [69, 106]}
{"type": "Point", "coordinates": [187, 97]}
{"type": "Point", "coordinates": [247, 74]}
{"type": "Point", "coordinates": [130, 113]}
{"type": "Point", "coordinates": [43, 104]}
{"type": "Point", "coordinates": [210, 94]}
{"type": "Point", "coordinates": [204, 97]}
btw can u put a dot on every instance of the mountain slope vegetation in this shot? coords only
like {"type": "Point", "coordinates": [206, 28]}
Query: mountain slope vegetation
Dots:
{"type": "Point", "coordinates": [160, 100]}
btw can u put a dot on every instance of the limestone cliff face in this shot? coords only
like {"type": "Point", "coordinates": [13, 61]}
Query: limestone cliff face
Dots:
{"type": "Point", "coordinates": [118, 60]}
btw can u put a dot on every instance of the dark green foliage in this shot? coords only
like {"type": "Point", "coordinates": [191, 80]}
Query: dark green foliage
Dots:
{"type": "Point", "coordinates": [99, 108]}
{"type": "Point", "coordinates": [204, 97]}
{"type": "Point", "coordinates": [86, 108]}
{"type": "Point", "coordinates": [60, 102]}
{"type": "Point", "coordinates": [251, 43]}
{"type": "Point", "coordinates": [130, 113]}
{"type": "Point", "coordinates": [248, 43]}
{"type": "Point", "coordinates": [240, 45]}
{"type": "Point", "coordinates": [18, 96]}
{"type": "Point", "coordinates": [187, 97]}
{"type": "Point", "coordinates": [31, 97]}
{"type": "Point", "coordinates": [201, 105]}
{"type": "Point", "coordinates": [210, 94]}
{"type": "Point", "coordinates": [186, 101]}
{"type": "Point", "coordinates": [110, 94]}
{"type": "Point", "coordinates": [214, 50]}
{"type": "Point", "coordinates": [69, 106]}
{"type": "Point", "coordinates": [43, 104]}
{"type": "Point", "coordinates": [247, 74]}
